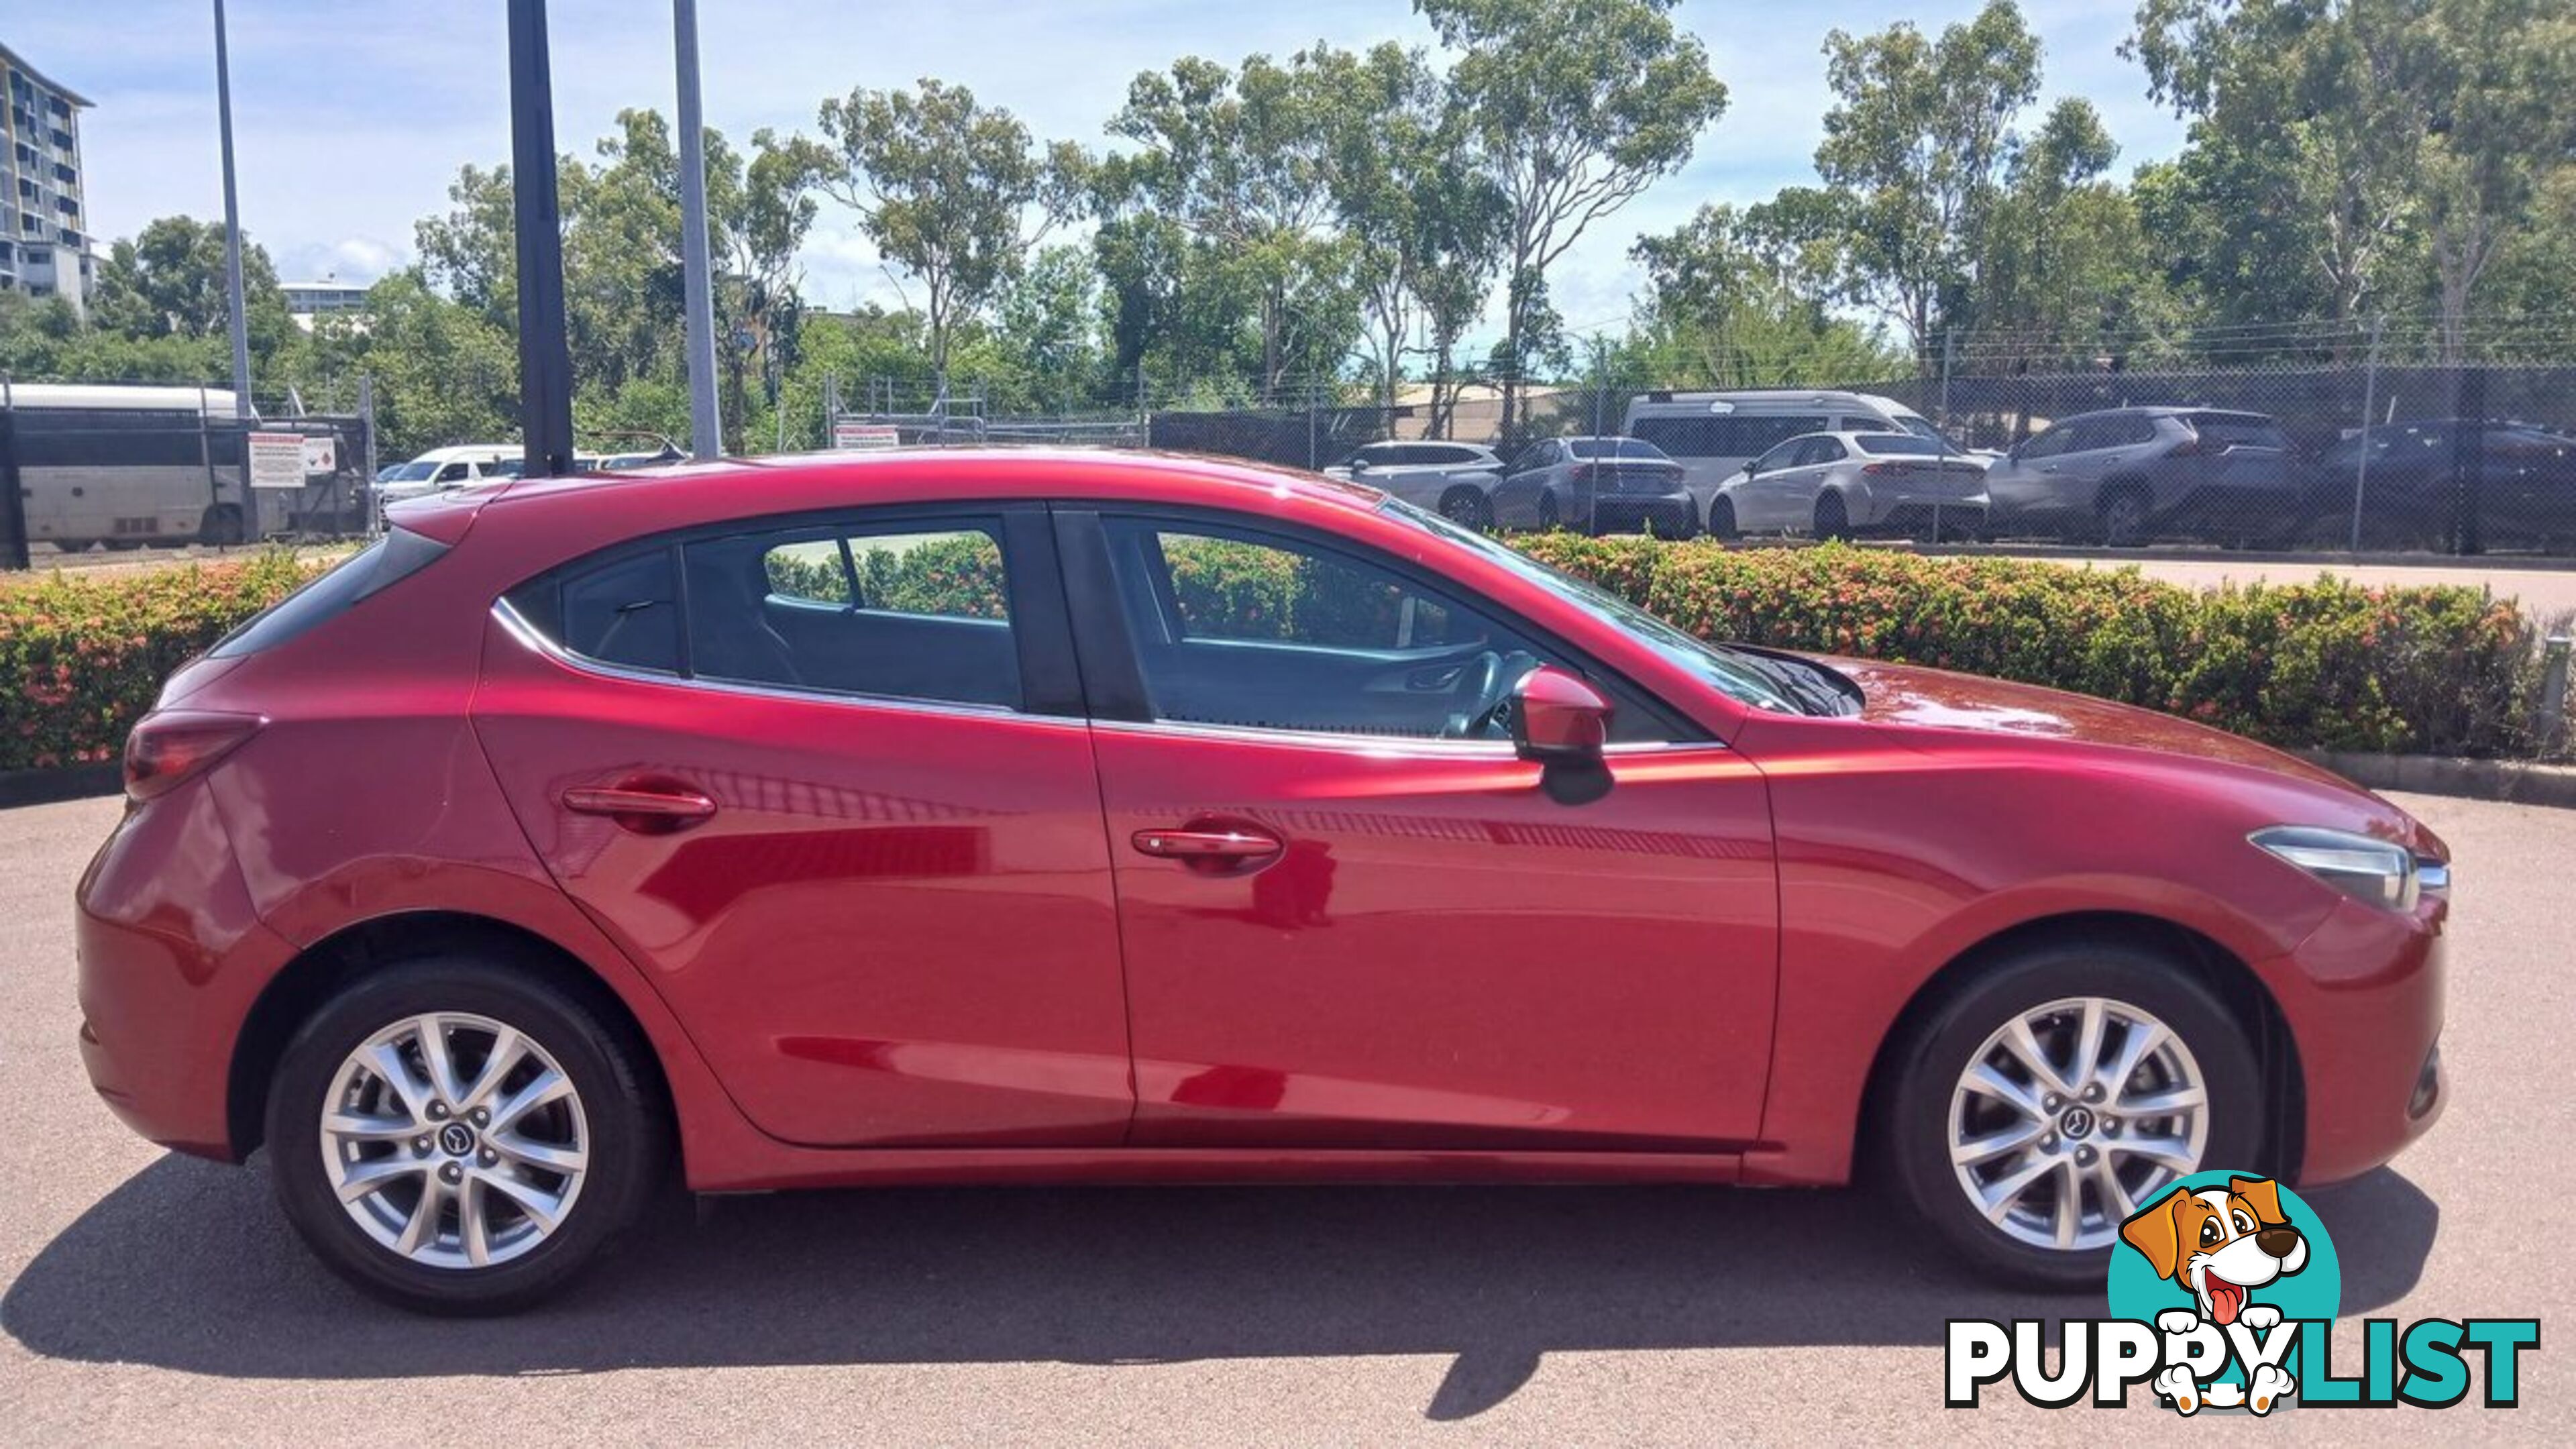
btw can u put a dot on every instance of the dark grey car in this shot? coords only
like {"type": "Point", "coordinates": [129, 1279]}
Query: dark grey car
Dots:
{"type": "Point", "coordinates": [1599, 485]}
{"type": "Point", "coordinates": [2126, 475]}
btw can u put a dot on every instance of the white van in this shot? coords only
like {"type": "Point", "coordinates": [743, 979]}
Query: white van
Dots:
{"type": "Point", "coordinates": [440, 469]}
{"type": "Point", "coordinates": [1714, 434]}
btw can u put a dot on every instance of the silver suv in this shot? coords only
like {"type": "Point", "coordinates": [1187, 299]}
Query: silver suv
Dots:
{"type": "Point", "coordinates": [2125, 475]}
{"type": "Point", "coordinates": [1456, 479]}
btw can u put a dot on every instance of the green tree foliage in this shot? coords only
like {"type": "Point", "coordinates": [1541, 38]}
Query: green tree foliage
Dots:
{"type": "Point", "coordinates": [952, 192]}
{"type": "Point", "coordinates": [1576, 107]}
{"type": "Point", "coordinates": [1915, 154]}
{"type": "Point", "coordinates": [1738, 298]}
{"type": "Point", "coordinates": [1424, 220]}
{"type": "Point", "coordinates": [1245, 163]}
{"type": "Point", "coordinates": [170, 281]}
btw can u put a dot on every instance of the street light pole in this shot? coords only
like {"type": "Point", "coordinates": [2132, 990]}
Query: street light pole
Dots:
{"type": "Point", "coordinates": [545, 356]}
{"type": "Point", "coordinates": [706, 434]}
{"type": "Point", "coordinates": [232, 223]}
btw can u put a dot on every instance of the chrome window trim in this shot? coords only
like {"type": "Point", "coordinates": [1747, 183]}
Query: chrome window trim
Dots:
{"type": "Point", "coordinates": [1377, 744]}
{"type": "Point", "coordinates": [518, 627]}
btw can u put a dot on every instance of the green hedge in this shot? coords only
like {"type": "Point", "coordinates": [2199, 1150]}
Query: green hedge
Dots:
{"type": "Point", "coordinates": [2431, 669]}
{"type": "Point", "coordinates": [2437, 670]}
{"type": "Point", "coordinates": [85, 656]}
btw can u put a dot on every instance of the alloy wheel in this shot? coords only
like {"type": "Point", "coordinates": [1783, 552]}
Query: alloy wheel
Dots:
{"type": "Point", "coordinates": [454, 1140]}
{"type": "Point", "coordinates": [2070, 1116]}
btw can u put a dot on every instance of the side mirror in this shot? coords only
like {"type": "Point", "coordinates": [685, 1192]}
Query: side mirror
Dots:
{"type": "Point", "coordinates": [1752, 466]}
{"type": "Point", "coordinates": [1562, 724]}
{"type": "Point", "coordinates": [1359, 466]}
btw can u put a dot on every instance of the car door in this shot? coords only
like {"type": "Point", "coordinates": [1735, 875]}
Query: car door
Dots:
{"type": "Point", "coordinates": [1780, 491]}
{"type": "Point", "coordinates": [2025, 482]}
{"type": "Point", "coordinates": [1516, 497]}
{"type": "Point", "coordinates": [827, 782]}
{"type": "Point", "coordinates": [1352, 919]}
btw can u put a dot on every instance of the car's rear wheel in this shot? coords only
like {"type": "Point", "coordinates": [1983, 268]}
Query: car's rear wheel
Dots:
{"type": "Point", "coordinates": [2066, 1086]}
{"type": "Point", "coordinates": [456, 1137]}
{"type": "Point", "coordinates": [1833, 518]}
{"type": "Point", "coordinates": [1467, 507]}
{"type": "Point", "coordinates": [2124, 518]}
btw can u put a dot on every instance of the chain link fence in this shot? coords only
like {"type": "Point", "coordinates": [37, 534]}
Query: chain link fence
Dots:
{"type": "Point", "coordinates": [2320, 456]}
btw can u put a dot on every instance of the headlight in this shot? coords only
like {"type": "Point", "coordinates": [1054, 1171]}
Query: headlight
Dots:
{"type": "Point", "coordinates": [2360, 866]}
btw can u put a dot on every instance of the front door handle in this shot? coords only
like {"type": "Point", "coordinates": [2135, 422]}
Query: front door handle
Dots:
{"type": "Point", "coordinates": [653, 809]}
{"type": "Point", "coordinates": [1214, 848]}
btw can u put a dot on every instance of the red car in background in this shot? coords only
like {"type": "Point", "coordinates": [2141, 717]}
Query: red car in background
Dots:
{"type": "Point", "coordinates": [1021, 816]}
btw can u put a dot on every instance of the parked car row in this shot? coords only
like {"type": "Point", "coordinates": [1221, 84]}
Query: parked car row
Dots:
{"type": "Point", "coordinates": [467, 464]}
{"type": "Point", "coordinates": [1839, 465]}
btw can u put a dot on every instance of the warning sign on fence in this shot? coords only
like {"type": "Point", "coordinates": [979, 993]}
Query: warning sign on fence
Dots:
{"type": "Point", "coordinates": [866, 435]}
{"type": "Point", "coordinates": [277, 460]}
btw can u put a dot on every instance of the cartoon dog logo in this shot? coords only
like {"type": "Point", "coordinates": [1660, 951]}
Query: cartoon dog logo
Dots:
{"type": "Point", "coordinates": [2219, 1245]}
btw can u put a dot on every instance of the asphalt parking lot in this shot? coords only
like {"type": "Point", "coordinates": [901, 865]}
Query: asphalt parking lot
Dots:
{"type": "Point", "coordinates": [146, 1297]}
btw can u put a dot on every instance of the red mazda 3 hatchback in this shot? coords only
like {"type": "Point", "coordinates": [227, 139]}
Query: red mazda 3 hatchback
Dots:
{"type": "Point", "coordinates": [1008, 816]}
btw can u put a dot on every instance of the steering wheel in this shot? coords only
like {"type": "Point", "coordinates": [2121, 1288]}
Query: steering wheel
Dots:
{"type": "Point", "coordinates": [1485, 688]}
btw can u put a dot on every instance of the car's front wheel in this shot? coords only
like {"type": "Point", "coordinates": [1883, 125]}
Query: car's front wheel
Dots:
{"type": "Point", "coordinates": [455, 1136]}
{"type": "Point", "coordinates": [2066, 1085]}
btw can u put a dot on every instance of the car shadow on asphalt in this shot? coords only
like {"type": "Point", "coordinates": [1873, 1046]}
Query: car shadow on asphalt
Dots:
{"type": "Point", "coordinates": [188, 1265]}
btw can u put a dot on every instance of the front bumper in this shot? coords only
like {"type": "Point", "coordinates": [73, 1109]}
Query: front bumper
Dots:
{"type": "Point", "coordinates": [2362, 997]}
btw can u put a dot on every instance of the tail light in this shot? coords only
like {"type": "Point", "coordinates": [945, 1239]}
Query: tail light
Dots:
{"type": "Point", "coordinates": [168, 748]}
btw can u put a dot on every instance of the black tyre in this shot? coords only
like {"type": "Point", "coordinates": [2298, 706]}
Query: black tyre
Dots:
{"type": "Point", "coordinates": [1721, 518]}
{"type": "Point", "coordinates": [2124, 518]}
{"type": "Point", "coordinates": [1833, 518]}
{"type": "Point", "coordinates": [1548, 517]}
{"type": "Point", "coordinates": [221, 525]}
{"type": "Point", "coordinates": [2065, 1085]}
{"type": "Point", "coordinates": [474, 1173]}
{"type": "Point", "coordinates": [1467, 507]}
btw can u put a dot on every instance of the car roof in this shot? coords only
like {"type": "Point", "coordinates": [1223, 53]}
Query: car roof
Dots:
{"type": "Point", "coordinates": [777, 483]}
{"type": "Point", "coordinates": [1690, 402]}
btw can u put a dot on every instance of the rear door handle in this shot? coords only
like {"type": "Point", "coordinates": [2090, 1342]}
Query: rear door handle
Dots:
{"type": "Point", "coordinates": [644, 809]}
{"type": "Point", "coordinates": [1209, 848]}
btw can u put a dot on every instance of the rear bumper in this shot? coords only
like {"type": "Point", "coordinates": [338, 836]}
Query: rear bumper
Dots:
{"type": "Point", "coordinates": [172, 956]}
{"type": "Point", "coordinates": [1669, 514]}
{"type": "Point", "coordinates": [2363, 1000]}
{"type": "Point", "coordinates": [1920, 515]}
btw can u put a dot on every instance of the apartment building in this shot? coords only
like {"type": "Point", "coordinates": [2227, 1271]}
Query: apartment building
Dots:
{"type": "Point", "coordinates": [44, 232]}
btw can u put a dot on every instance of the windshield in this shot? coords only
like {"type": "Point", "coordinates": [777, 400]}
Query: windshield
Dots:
{"type": "Point", "coordinates": [416, 471]}
{"type": "Point", "coordinates": [1748, 679]}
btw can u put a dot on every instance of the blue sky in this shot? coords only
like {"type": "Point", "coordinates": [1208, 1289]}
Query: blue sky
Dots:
{"type": "Point", "coordinates": [351, 118]}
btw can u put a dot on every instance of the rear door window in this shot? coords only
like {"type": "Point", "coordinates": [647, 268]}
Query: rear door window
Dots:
{"type": "Point", "coordinates": [2243, 430]}
{"type": "Point", "coordinates": [917, 612]}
